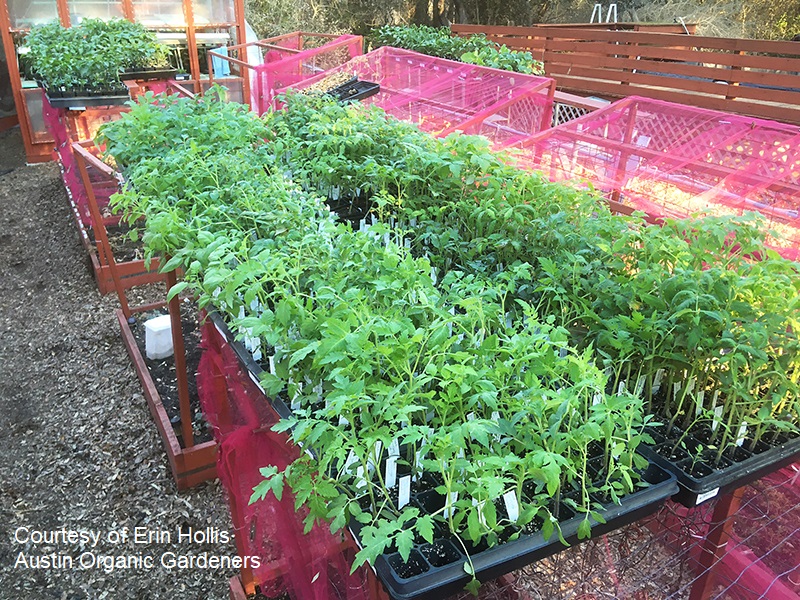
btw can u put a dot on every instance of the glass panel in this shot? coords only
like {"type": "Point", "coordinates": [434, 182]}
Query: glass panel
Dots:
{"type": "Point", "coordinates": [34, 103]}
{"type": "Point", "coordinates": [95, 9]}
{"type": "Point", "coordinates": [26, 13]}
{"type": "Point", "coordinates": [213, 11]}
{"type": "Point", "coordinates": [159, 13]}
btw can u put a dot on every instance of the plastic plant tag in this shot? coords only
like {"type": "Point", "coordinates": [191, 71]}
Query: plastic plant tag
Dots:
{"type": "Point", "coordinates": [495, 415]}
{"type": "Point", "coordinates": [596, 399]}
{"type": "Point", "coordinates": [376, 453]}
{"type": "Point", "coordinates": [676, 387]}
{"type": "Point", "coordinates": [391, 472]}
{"type": "Point", "coordinates": [272, 365]}
{"type": "Point", "coordinates": [657, 380]}
{"type": "Point", "coordinates": [740, 437]}
{"type": "Point", "coordinates": [512, 506]}
{"type": "Point", "coordinates": [404, 493]}
{"type": "Point", "coordinates": [471, 416]}
{"type": "Point", "coordinates": [717, 418]}
{"type": "Point", "coordinates": [296, 398]}
{"type": "Point", "coordinates": [452, 498]}
{"type": "Point", "coordinates": [351, 459]}
{"type": "Point", "coordinates": [706, 496]}
{"type": "Point", "coordinates": [701, 395]}
{"type": "Point", "coordinates": [714, 399]}
{"type": "Point", "coordinates": [361, 482]}
{"type": "Point", "coordinates": [639, 389]}
{"type": "Point", "coordinates": [394, 447]}
{"type": "Point", "coordinates": [343, 422]}
{"type": "Point", "coordinates": [621, 389]}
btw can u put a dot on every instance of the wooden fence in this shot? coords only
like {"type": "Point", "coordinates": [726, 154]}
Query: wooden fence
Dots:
{"type": "Point", "coordinates": [759, 78]}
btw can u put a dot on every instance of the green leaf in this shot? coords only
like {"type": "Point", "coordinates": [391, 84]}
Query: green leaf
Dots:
{"type": "Point", "coordinates": [177, 289]}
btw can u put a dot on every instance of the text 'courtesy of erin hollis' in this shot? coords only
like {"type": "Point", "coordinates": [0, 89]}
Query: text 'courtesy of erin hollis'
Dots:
{"type": "Point", "coordinates": [124, 548]}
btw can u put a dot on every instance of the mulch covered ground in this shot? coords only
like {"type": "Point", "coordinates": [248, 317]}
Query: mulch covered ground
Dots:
{"type": "Point", "coordinates": [79, 449]}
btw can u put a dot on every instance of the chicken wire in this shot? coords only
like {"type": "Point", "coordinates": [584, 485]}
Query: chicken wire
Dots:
{"type": "Point", "coordinates": [441, 96]}
{"type": "Point", "coordinates": [672, 160]}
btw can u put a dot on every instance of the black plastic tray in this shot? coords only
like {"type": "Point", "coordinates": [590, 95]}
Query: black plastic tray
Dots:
{"type": "Point", "coordinates": [86, 101]}
{"type": "Point", "coordinates": [693, 490]}
{"type": "Point", "coordinates": [442, 581]}
{"type": "Point", "coordinates": [148, 74]}
{"type": "Point", "coordinates": [355, 90]}
{"type": "Point", "coordinates": [439, 582]}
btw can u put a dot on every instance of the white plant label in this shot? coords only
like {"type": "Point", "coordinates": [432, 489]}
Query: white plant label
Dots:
{"type": "Point", "coordinates": [639, 386]}
{"type": "Point", "coordinates": [657, 380]}
{"type": "Point", "coordinates": [343, 422]}
{"type": "Point", "coordinates": [471, 416]}
{"type": "Point", "coordinates": [272, 365]}
{"type": "Point", "coordinates": [621, 388]}
{"type": "Point", "coordinates": [740, 437]}
{"type": "Point", "coordinates": [404, 493]}
{"type": "Point", "coordinates": [512, 506]}
{"type": "Point", "coordinates": [361, 482]}
{"type": "Point", "coordinates": [394, 447]}
{"type": "Point", "coordinates": [495, 415]}
{"type": "Point", "coordinates": [452, 498]}
{"type": "Point", "coordinates": [717, 418]}
{"type": "Point", "coordinates": [714, 398]}
{"type": "Point", "coordinates": [375, 454]}
{"type": "Point", "coordinates": [701, 395]}
{"type": "Point", "coordinates": [596, 399]}
{"type": "Point", "coordinates": [706, 496]}
{"type": "Point", "coordinates": [351, 459]}
{"type": "Point", "coordinates": [391, 472]}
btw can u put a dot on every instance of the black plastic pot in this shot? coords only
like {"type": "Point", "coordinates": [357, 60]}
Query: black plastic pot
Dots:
{"type": "Point", "coordinates": [700, 481]}
{"type": "Point", "coordinates": [436, 571]}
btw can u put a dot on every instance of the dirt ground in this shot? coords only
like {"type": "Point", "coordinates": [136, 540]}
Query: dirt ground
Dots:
{"type": "Point", "coordinates": [79, 449]}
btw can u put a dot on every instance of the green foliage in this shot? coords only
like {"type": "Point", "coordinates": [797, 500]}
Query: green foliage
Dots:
{"type": "Point", "coordinates": [494, 328]}
{"type": "Point", "coordinates": [476, 49]}
{"type": "Point", "coordinates": [93, 53]}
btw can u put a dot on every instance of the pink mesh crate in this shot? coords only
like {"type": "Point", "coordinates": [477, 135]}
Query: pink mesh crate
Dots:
{"type": "Point", "coordinates": [671, 160]}
{"type": "Point", "coordinates": [441, 96]}
{"type": "Point", "coordinates": [295, 57]}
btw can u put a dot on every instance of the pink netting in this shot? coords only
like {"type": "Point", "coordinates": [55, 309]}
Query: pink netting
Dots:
{"type": "Point", "coordinates": [67, 127]}
{"type": "Point", "coordinates": [674, 160]}
{"type": "Point", "coordinates": [313, 566]}
{"type": "Point", "coordinates": [441, 96]}
{"type": "Point", "coordinates": [293, 58]}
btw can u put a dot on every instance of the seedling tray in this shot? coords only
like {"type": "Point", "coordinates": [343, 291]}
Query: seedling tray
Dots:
{"type": "Point", "coordinates": [79, 102]}
{"type": "Point", "coordinates": [355, 90]}
{"type": "Point", "coordinates": [148, 74]}
{"type": "Point", "coordinates": [748, 467]}
{"type": "Point", "coordinates": [442, 563]}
